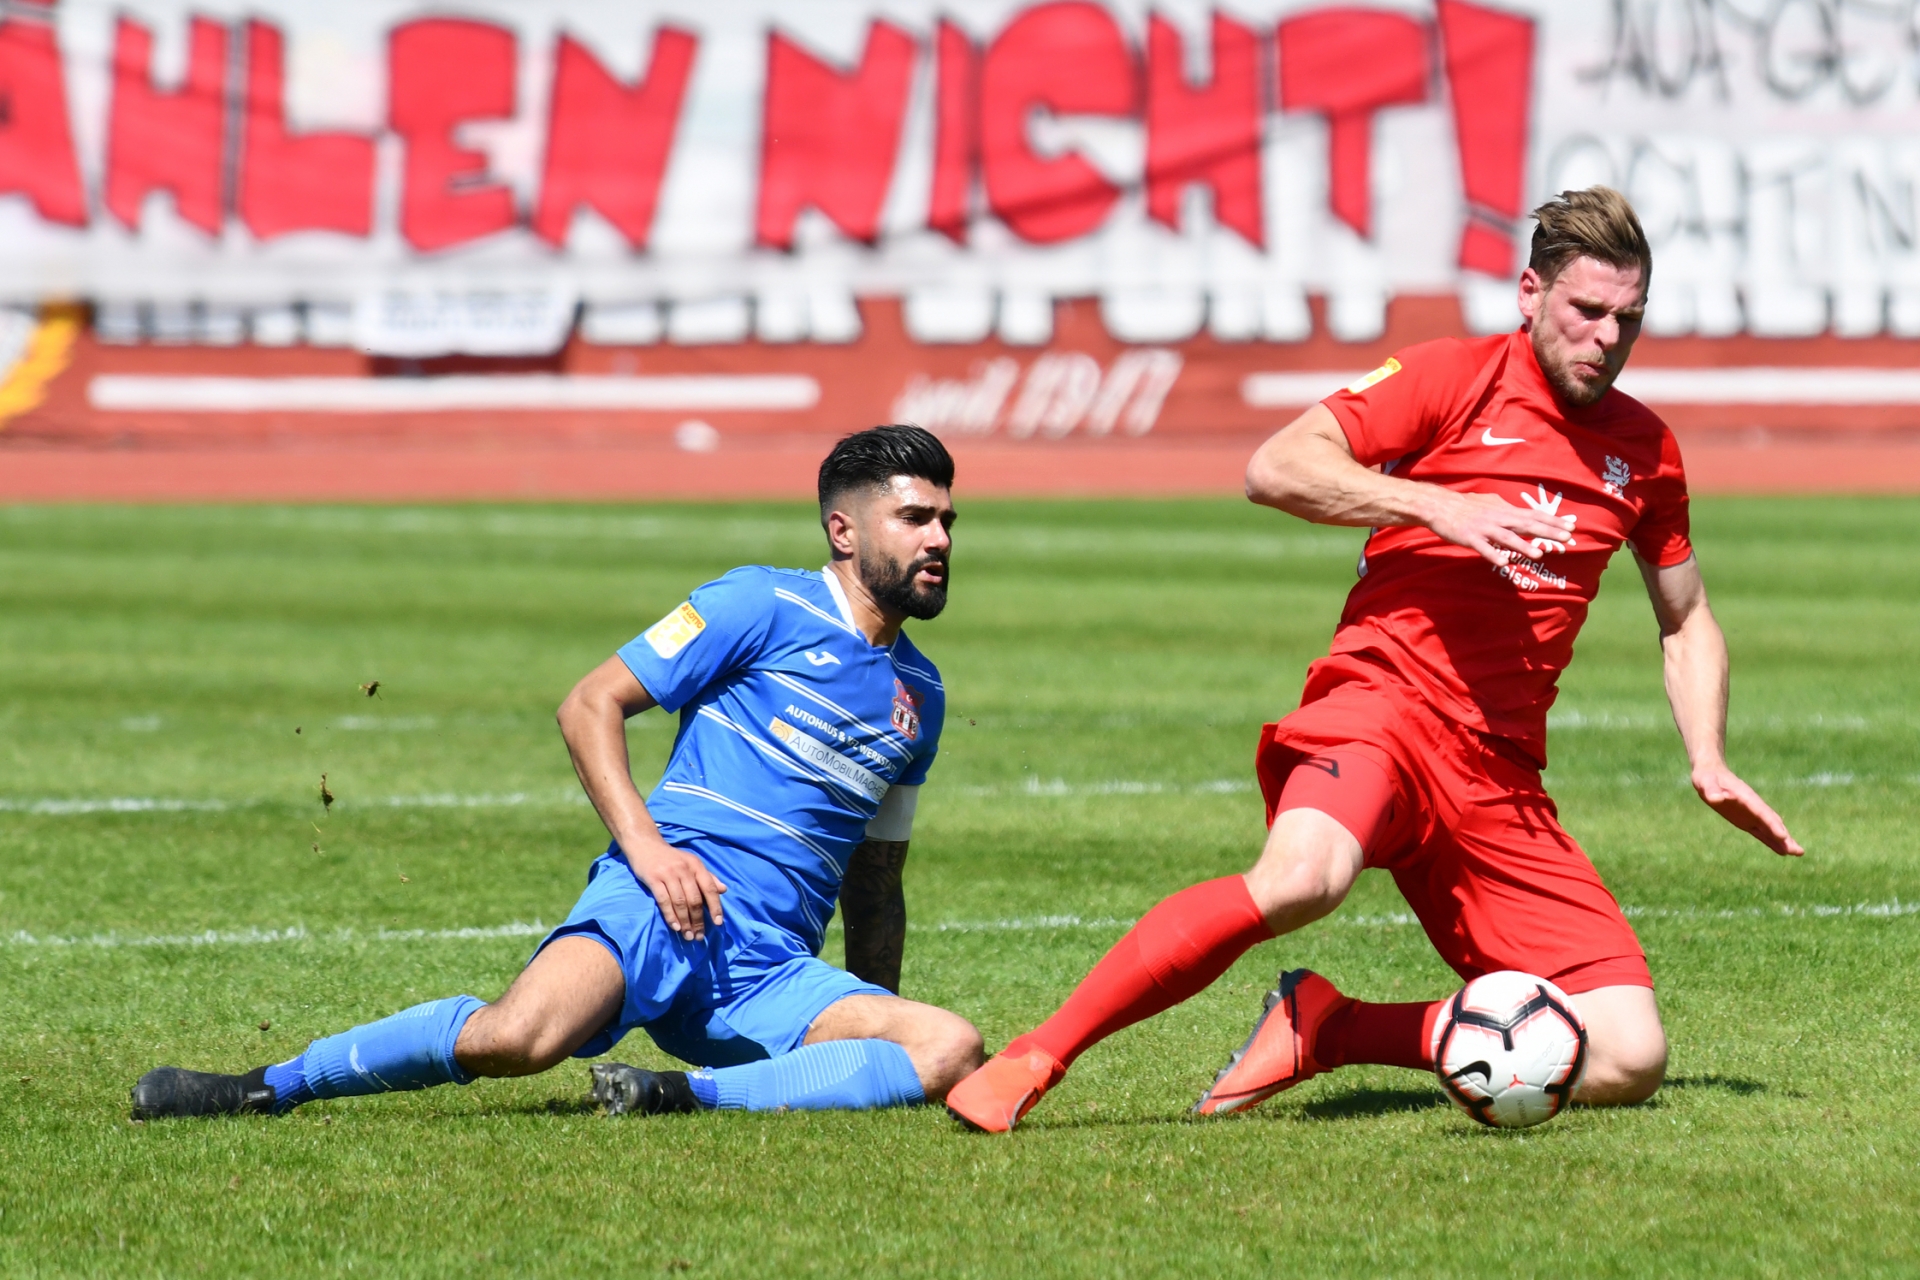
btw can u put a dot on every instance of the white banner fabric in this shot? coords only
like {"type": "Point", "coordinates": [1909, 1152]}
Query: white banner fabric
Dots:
{"type": "Point", "coordinates": [460, 176]}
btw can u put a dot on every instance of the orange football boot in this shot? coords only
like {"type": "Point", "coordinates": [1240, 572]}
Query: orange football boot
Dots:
{"type": "Point", "coordinates": [1278, 1055]}
{"type": "Point", "coordinates": [994, 1098]}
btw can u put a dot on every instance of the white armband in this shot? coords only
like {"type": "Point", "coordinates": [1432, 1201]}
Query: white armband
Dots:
{"type": "Point", "coordinates": [895, 819]}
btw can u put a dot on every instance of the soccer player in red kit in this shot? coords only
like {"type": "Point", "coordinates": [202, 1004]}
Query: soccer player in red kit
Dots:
{"type": "Point", "coordinates": [1498, 476]}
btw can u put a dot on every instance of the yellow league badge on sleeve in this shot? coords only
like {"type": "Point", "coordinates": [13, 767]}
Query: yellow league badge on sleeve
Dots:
{"type": "Point", "coordinates": [1381, 374]}
{"type": "Point", "coordinates": [675, 631]}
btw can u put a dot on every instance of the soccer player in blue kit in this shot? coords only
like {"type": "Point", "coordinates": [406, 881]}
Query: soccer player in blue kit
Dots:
{"type": "Point", "coordinates": [808, 721]}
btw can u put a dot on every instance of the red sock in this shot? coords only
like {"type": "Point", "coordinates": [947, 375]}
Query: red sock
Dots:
{"type": "Point", "coordinates": [1387, 1035]}
{"type": "Point", "coordinates": [1176, 950]}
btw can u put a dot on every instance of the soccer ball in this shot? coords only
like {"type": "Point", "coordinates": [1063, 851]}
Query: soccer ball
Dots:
{"type": "Point", "coordinates": [1509, 1049]}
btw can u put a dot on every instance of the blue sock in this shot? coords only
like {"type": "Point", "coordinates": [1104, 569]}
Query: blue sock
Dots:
{"type": "Point", "coordinates": [288, 1081]}
{"type": "Point", "coordinates": [413, 1049]}
{"type": "Point", "coordinates": [837, 1075]}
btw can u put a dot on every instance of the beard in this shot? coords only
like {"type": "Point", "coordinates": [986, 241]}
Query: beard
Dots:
{"type": "Point", "coordinates": [893, 585]}
{"type": "Point", "coordinates": [1570, 387]}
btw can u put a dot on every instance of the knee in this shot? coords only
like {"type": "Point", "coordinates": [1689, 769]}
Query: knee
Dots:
{"type": "Point", "coordinates": [949, 1050]}
{"type": "Point", "coordinates": [1643, 1072]}
{"type": "Point", "coordinates": [1306, 869]}
{"type": "Point", "coordinates": [1626, 1069]}
{"type": "Point", "coordinates": [500, 1042]}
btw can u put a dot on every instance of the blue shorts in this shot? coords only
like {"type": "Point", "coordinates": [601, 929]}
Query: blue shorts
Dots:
{"type": "Point", "coordinates": [746, 991]}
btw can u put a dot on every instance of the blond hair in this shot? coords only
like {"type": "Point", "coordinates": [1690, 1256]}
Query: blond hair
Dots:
{"type": "Point", "coordinates": [1594, 223]}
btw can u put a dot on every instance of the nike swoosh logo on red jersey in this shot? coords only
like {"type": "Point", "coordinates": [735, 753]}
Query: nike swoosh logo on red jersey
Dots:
{"type": "Point", "coordinates": [1487, 437]}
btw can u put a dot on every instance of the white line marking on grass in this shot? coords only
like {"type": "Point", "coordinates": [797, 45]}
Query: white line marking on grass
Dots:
{"type": "Point", "coordinates": [757, 536]}
{"type": "Point", "coordinates": [448, 800]}
{"type": "Point", "coordinates": [1396, 919]}
{"type": "Point", "coordinates": [1032, 788]}
{"type": "Point", "coordinates": [1784, 911]}
{"type": "Point", "coordinates": [1051, 787]}
{"type": "Point", "coordinates": [1574, 718]}
{"type": "Point", "coordinates": [1025, 925]}
{"type": "Point", "coordinates": [74, 806]}
{"type": "Point", "coordinates": [67, 807]}
{"type": "Point", "coordinates": [249, 937]}
{"type": "Point", "coordinates": [1046, 542]}
{"type": "Point", "coordinates": [1779, 911]}
{"type": "Point", "coordinates": [1762, 781]}
{"type": "Point", "coordinates": [252, 937]}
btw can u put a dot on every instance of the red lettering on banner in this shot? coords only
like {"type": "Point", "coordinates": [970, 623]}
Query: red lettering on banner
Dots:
{"type": "Point", "coordinates": [1489, 60]}
{"type": "Point", "coordinates": [1069, 58]}
{"type": "Point", "coordinates": [295, 182]}
{"type": "Point", "coordinates": [36, 142]}
{"type": "Point", "coordinates": [1207, 135]}
{"type": "Point", "coordinates": [956, 132]}
{"type": "Point", "coordinates": [1350, 63]}
{"type": "Point", "coordinates": [829, 137]}
{"type": "Point", "coordinates": [167, 141]}
{"type": "Point", "coordinates": [442, 73]}
{"type": "Point", "coordinates": [607, 144]}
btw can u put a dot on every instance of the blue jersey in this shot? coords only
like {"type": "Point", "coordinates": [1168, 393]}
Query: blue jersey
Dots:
{"type": "Point", "coordinates": [792, 728]}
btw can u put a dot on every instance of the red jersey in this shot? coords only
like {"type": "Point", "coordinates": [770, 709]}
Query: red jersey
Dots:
{"type": "Point", "coordinates": [1485, 645]}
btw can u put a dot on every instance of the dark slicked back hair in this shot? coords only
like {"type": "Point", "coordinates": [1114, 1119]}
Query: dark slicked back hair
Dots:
{"type": "Point", "coordinates": [1596, 222]}
{"type": "Point", "coordinates": [870, 459]}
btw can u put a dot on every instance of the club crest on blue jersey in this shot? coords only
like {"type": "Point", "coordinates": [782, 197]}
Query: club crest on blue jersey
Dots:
{"type": "Point", "coordinates": [793, 728]}
{"type": "Point", "coordinates": [906, 709]}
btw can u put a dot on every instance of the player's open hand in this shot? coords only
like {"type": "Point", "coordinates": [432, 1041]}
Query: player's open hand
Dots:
{"type": "Point", "coordinates": [688, 893]}
{"type": "Point", "coordinates": [1494, 527]}
{"type": "Point", "coordinates": [1741, 805]}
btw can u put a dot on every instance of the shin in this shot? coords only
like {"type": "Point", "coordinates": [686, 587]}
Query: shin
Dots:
{"type": "Point", "coordinates": [571, 990]}
{"type": "Point", "coordinates": [943, 1047]}
{"type": "Point", "coordinates": [862, 1052]}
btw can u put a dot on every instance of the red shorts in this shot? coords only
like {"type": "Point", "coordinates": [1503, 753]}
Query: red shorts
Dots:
{"type": "Point", "coordinates": [1462, 821]}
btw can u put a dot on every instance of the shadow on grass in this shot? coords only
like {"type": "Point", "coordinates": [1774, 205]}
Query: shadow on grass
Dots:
{"type": "Point", "coordinates": [1360, 1104]}
{"type": "Point", "coordinates": [1730, 1084]}
{"type": "Point", "coordinates": [1366, 1103]}
{"type": "Point", "coordinates": [550, 1107]}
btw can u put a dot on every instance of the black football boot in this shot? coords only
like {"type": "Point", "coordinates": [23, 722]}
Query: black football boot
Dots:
{"type": "Point", "coordinates": [171, 1092]}
{"type": "Point", "coordinates": [622, 1090]}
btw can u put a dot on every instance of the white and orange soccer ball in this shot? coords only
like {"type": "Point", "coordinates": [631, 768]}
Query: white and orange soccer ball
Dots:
{"type": "Point", "coordinates": [1509, 1049]}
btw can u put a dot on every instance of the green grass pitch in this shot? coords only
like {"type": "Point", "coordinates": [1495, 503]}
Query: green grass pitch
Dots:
{"type": "Point", "coordinates": [174, 681]}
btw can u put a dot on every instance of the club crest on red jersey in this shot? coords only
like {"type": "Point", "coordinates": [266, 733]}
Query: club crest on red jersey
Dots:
{"type": "Point", "coordinates": [1618, 476]}
{"type": "Point", "coordinates": [906, 709]}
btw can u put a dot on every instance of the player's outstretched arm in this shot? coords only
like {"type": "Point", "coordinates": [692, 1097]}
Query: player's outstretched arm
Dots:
{"type": "Point", "coordinates": [1695, 655]}
{"type": "Point", "coordinates": [593, 720]}
{"type": "Point", "coordinates": [873, 906]}
{"type": "Point", "coordinates": [1307, 469]}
